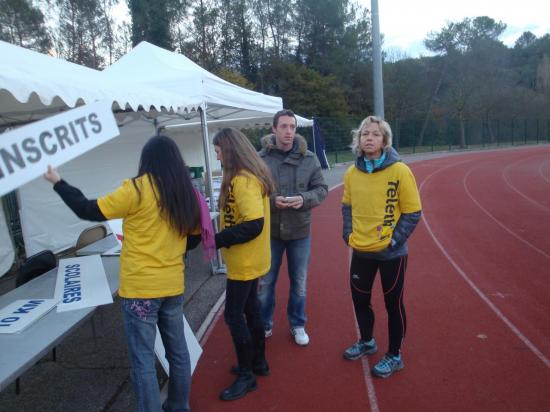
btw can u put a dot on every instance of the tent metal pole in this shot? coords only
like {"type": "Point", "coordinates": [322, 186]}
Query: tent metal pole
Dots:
{"type": "Point", "coordinates": [219, 268]}
{"type": "Point", "coordinates": [205, 145]}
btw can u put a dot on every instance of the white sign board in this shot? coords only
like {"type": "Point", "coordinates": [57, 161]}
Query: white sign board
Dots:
{"type": "Point", "coordinates": [26, 152]}
{"type": "Point", "coordinates": [116, 228]}
{"type": "Point", "coordinates": [81, 283]}
{"type": "Point", "coordinates": [195, 350]}
{"type": "Point", "coordinates": [18, 315]}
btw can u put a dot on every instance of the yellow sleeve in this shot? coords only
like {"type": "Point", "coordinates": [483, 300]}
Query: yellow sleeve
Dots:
{"type": "Point", "coordinates": [248, 197]}
{"type": "Point", "coordinates": [118, 204]}
{"type": "Point", "coordinates": [346, 198]}
{"type": "Point", "coordinates": [409, 197]}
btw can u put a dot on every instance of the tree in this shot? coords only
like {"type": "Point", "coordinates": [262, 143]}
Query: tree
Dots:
{"type": "Point", "coordinates": [322, 27]}
{"type": "Point", "coordinates": [525, 40]}
{"type": "Point", "coordinates": [464, 35]}
{"type": "Point", "coordinates": [153, 21]}
{"type": "Point", "coordinates": [306, 91]}
{"type": "Point", "coordinates": [22, 23]}
{"type": "Point", "coordinates": [80, 33]}
{"type": "Point", "coordinates": [234, 77]}
{"type": "Point", "coordinates": [454, 42]}
{"type": "Point", "coordinates": [199, 38]}
{"type": "Point", "coordinates": [405, 84]}
{"type": "Point", "coordinates": [276, 23]}
{"type": "Point", "coordinates": [109, 35]}
{"type": "Point", "coordinates": [543, 75]}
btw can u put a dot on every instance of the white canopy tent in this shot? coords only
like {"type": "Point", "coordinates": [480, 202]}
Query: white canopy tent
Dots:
{"type": "Point", "coordinates": [34, 86]}
{"type": "Point", "coordinates": [149, 88]}
{"type": "Point", "coordinates": [222, 103]}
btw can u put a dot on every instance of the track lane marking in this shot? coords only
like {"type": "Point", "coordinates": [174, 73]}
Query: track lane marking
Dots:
{"type": "Point", "coordinates": [470, 283]}
{"type": "Point", "coordinates": [515, 189]}
{"type": "Point", "coordinates": [498, 222]}
{"type": "Point", "coordinates": [371, 392]}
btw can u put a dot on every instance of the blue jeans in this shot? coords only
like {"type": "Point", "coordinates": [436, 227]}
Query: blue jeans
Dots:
{"type": "Point", "coordinates": [297, 255]}
{"type": "Point", "coordinates": [140, 318]}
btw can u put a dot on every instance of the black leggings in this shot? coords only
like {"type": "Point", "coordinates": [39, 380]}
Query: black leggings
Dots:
{"type": "Point", "coordinates": [392, 274]}
{"type": "Point", "coordinates": [242, 310]}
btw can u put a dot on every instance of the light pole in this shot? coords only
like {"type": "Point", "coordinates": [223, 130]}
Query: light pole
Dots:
{"type": "Point", "coordinates": [377, 80]}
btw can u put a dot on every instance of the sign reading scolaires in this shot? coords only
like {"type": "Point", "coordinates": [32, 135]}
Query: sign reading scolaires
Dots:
{"type": "Point", "coordinates": [26, 152]}
{"type": "Point", "coordinates": [19, 314]}
{"type": "Point", "coordinates": [81, 283]}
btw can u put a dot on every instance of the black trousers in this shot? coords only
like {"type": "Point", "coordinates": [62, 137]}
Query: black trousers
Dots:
{"type": "Point", "coordinates": [392, 274]}
{"type": "Point", "coordinates": [242, 310]}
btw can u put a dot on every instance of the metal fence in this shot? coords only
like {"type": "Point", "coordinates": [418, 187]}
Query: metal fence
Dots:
{"type": "Point", "coordinates": [441, 135]}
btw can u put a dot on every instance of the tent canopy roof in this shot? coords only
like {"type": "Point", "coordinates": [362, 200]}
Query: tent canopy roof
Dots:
{"type": "Point", "coordinates": [165, 84]}
{"type": "Point", "coordinates": [34, 85]}
{"type": "Point", "coordinates": [151, 65]}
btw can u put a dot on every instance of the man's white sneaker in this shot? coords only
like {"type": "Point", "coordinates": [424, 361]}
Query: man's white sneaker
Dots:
{"type": "Point", "coordinates": [268, 333]}
{"type": "Point", "coordinates": [300, 336]}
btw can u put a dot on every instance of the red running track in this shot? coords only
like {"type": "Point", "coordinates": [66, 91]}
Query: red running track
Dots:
{"type": "Point", "coordinates": [477, 297]}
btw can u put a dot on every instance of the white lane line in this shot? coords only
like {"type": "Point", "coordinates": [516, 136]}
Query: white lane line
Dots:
{"type": "Point", "coordinates": [498, 222]}
{"type": "Point", "coordinates": [335, 186]}
{"type": "Point", "coordinates": [371, 392]}
{"type": "Point", "coordinates": [478, 291]}
{"type": "Point", "coordinates": [515, 189]}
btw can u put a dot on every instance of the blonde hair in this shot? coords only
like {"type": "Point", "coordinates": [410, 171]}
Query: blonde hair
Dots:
{"type": "Point", "coordinates": [239, 155]}
{"type": "Point", "coordinates": [384, 128]}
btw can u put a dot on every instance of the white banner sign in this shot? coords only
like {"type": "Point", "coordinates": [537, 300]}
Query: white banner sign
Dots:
{"type": "Point", "coordinates": [195, 350]}
{"type": "Point", "coordinates": [26, 152]}
{"type": "Point", "coordinates": [81, 283]}
{"type": "Point", "coordinates": [18, 315]}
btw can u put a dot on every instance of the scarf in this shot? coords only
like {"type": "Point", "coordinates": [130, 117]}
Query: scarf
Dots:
{"type": "Point", "coordinates": [207, 230]}
{"type": "Point", "coordinates": [371, 165]}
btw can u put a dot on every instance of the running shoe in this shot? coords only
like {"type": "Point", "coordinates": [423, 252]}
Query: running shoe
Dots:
{"type": "Point", "coordinates": [300, 336]}
{"type": "Point", "coordinates": [360, 348]}
{"type": "Point", "coordinates": [388, 365]}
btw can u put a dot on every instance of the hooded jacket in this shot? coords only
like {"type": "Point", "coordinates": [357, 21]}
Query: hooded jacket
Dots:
{"type": "Point", "coordinates": [297, 172]}
{"type": "Point", "coordinates": [380, 208]}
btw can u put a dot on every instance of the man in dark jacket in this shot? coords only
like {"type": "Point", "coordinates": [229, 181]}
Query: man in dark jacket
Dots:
{"type": "Point", "coordinates": [300, 186]}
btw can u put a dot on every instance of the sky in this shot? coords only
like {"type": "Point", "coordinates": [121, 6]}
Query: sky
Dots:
{"type": "Point", "coordinates": [405, 23]}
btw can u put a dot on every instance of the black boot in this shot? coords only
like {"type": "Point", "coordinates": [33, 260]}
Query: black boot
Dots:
{"type": "Point", "coordinates": [260, 366]}
{"type": "Point", "coordinates": [246, 381]}
{"type": "Point", "coordinates": [259, 363]}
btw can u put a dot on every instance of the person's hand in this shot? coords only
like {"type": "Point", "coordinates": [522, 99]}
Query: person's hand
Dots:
{"type": "Point", "coordinates": [280, 202]}
{"type": "Point", "coordinates": [295, 202]}
{"type": "Point", "coordinates": [51, 175]}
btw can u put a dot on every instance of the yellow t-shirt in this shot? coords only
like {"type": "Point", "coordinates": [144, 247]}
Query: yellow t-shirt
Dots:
{"type": "Point", "coordinates": [151, 259]}
{"type": "Point", "coordinates": [377, 201]}
{"type": "Point", "coordinates": [250, 260]}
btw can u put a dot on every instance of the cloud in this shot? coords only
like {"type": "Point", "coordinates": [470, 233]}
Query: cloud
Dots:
{"type": "Point", "coordinates": [405, 23]}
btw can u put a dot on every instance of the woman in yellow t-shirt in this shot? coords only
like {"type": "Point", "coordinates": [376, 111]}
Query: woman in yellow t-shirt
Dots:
{"type": "Point", "coordinates": [244, 239]}
{"type": "Point", "coordinates": [380, 208]}
{"type": "Point", "coordinates": [160, 214]}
